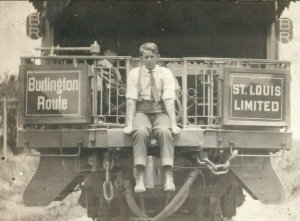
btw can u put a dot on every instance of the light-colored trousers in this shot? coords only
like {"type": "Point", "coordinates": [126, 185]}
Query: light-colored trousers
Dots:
{"type": "Point", "coordinates": [160, 126]}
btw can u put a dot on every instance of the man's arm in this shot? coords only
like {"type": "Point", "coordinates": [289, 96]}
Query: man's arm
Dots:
{"type": "Point", "coordinates": [130, 112]}
{"type": "Point", "coordinates": [131, 99]}
{"type": "Point", "coordinates": [169, 97]}
{"type": "Point", "coordinates": [170, 109]}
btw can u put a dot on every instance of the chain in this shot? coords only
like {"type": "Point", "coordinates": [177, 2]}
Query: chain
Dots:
{"type": "Point", "coordinates": [107, 183]}
{"type": "Point", "coordinates": [107, 172]}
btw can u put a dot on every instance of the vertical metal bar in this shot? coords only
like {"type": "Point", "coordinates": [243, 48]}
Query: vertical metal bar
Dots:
{"type": "Point", "coordinates": [95, 91]}
{"type": "Point", "coordinates": [109, 91]}
{"type": "Point", "coordinates": [220, 90]}
{"type": "Point", "coordinates": [208, 93]}
{"type": "Point", "coordinates": [276, 53]}
{"type": "Point", "coordinates": [4, 126]}
{"type": "Point", "coordinates": [204, 92]}
{"type": "Point", "coordinates": [117, 92]}
{"type": "Point", "coordinates": [48, 36]}
{"type": "Point", "coordinates": [127, 69]}
{"type": "Point", "coordinates": [211, 93]}
{"type": "Point", "coordinates": [184, 93]}
{"type": "Point", "coordinates": [101, 95]}
{"type": "Point", "coordinates": [196, 98]}
{"type": "Point", "coordinates": [215, 89]}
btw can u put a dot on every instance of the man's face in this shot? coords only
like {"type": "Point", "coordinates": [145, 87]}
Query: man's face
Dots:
{"type": "Point", "coordinates": [111, 53]}
{"type": "Point", "coordinates": [149, 59]}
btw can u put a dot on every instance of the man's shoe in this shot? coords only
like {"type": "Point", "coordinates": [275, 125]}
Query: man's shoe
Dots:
{"type": "Point", "coordinates": [139, 187]}
{"type": "Point", "coordinates": [169, 183]}
{"type": "Point", "coordinates": [139, 182]}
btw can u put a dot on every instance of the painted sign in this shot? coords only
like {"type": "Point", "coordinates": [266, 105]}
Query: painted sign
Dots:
{"type": "Point", "coordinates": [256, 97]}
{"type": "Point", "coordinates": [53, 92]}
{"type": "Point", "coordinates": [285, 29]}
{"type": "Point", "coordinates": [33, 26]}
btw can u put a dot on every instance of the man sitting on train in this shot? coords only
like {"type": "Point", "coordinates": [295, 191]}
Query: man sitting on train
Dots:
{"type": "Point", "coordinates": [150, 100]}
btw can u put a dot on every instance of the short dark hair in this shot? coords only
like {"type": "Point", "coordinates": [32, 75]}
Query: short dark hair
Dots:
{"type": "Point", "coordinates": [110, 45]}
{"type": "Point", "coordinates": [148, 46]}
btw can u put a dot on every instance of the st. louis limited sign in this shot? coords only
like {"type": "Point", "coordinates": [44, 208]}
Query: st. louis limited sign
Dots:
{"type": "Point", "coordinates": [256, 97]}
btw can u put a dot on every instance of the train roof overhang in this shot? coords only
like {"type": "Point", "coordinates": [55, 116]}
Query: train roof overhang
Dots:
{"type": "Point", "coordinates": [263, 7]}
{"type": "Point", "coordinates": [221, 27]}
{"type": "Point", "coordinates": [173, 16]}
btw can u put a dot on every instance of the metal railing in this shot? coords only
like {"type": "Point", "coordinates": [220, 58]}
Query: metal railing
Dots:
{"type": "Point", "coordinates": [201, 81]}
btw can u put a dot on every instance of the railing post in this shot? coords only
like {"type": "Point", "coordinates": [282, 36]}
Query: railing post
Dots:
{"type": "Point", "coordinates": [184, 93]}
{"type": "Point", "coordinates": [95, 90]}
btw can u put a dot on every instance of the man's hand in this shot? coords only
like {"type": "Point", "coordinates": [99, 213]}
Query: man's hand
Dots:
{"type": "Point", "coordinates": [128, 129]}
{"type": "Point", "coordinates": [176, 130]}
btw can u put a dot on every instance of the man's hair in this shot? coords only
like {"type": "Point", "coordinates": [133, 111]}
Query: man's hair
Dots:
{"type": "Point", "coordinates": [110, 45]}
{"type": "Point", "coordinates": [148, 46]}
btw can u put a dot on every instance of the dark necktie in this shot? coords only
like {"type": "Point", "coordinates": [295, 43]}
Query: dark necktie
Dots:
{"type": "Point", "coordinates": [154, 91]}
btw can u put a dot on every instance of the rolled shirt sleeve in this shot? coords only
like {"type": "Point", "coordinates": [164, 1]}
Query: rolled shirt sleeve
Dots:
{"type": "Point", "coordinates": [168, 85]}
{"type": "Point", "coordinates": [132, 84]}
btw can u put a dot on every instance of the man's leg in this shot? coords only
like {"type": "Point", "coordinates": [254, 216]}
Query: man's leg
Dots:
{"type": "Point", "coordinates": [141, 128]}
{"type": "Point", "coordinates": [163, 133]}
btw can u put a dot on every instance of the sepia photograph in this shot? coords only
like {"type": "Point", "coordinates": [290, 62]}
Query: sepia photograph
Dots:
{"type": "Point", "coordinates": [150, 110]}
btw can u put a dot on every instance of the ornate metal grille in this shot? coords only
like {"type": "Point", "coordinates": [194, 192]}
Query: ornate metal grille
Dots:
{"type": "Point", "coordinates": [200, 79]}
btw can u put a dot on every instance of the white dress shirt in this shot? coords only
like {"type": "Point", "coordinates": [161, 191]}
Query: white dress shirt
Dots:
{"type": "Point", "coordinates": [164, 80]}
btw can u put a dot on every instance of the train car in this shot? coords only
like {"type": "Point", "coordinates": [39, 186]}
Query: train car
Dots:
{"type": "Point", "coordinates": [233, 106]}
